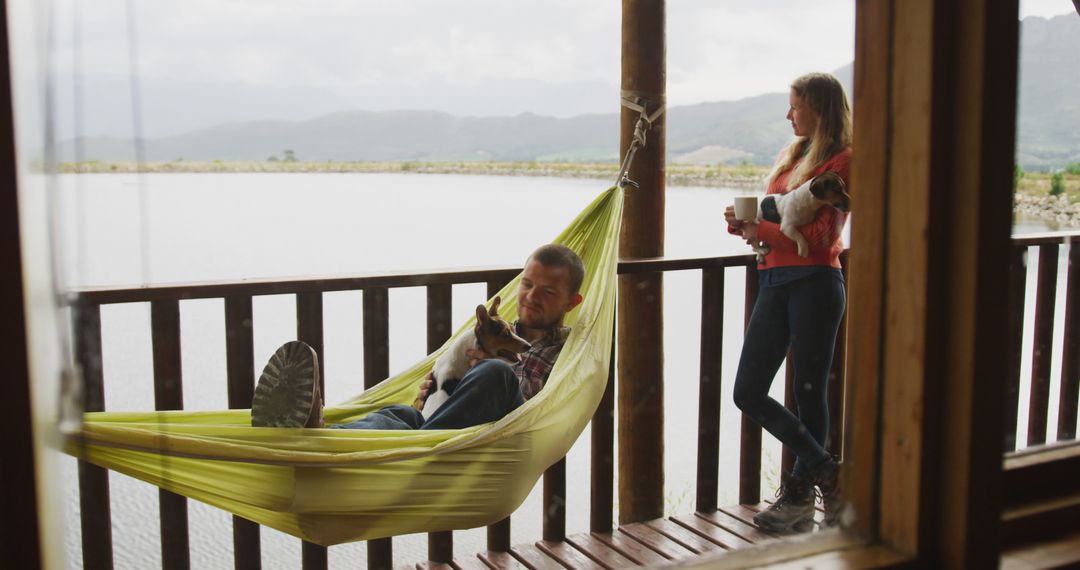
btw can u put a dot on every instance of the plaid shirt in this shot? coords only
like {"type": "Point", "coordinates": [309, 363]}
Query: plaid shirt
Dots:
{"type": "Point", "coordinates": [536, 364]}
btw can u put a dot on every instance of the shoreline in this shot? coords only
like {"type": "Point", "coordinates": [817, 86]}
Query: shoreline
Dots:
{"type": "Point", "coordinates": [1031, 198]}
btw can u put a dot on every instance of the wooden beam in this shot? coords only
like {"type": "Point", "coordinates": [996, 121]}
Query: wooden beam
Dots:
{"type": "Point", "coordinates": [21, 546]}
{"type": "Point", "coordinates": [640, 311]}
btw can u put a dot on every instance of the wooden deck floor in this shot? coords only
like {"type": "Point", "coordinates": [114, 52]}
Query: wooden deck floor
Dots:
{"type": "Point", "coordinates": [658, 542]}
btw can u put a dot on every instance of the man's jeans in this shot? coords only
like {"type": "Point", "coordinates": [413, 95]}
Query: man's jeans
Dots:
{"type": "Point", "coordinates": [804, 315]}
{"type": "Point", "coordinates": [488, 392]}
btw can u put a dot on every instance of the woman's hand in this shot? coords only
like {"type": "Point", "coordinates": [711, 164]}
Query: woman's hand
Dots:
{"type": "Point", "coordinates": [749, 233]}
{"type": "Point", "coordinates": [729, 217]}
{"type": "Point", "coordinates": [426, 385]}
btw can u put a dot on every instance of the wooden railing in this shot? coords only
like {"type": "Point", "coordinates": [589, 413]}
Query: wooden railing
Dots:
{"type": "Point", "coordinates": [165, 323]}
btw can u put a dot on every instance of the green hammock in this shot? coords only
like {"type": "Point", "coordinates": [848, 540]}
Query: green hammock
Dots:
{"type": "Point", "coordinates": [331, 486]}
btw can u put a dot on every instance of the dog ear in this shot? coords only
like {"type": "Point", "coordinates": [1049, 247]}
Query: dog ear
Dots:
{"type": "Point", "coordinates": [494, 311]}
{"type": "Point", "coordinates": [482, 314]}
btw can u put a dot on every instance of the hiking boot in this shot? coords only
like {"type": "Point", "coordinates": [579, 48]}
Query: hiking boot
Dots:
{"type": "Point", "coordinates": [826, 478]}
{"type": "Point", "coordinates": [793, 509]}
{"type": "Point", "coordinates": [288, 391]}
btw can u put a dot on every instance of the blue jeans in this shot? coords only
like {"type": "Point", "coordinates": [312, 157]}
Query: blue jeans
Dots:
{"type": "Point", "coordinates": [803, 314]}
{"type": "Point", "coordinates": [488, 392]}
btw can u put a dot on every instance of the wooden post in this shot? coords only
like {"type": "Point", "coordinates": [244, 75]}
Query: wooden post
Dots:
{"type": "Point", "coordinates": [640, 313]}
{"type": "Point", "coordinates": [21, 546]}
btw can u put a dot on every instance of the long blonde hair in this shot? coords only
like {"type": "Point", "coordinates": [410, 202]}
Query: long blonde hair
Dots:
{"type": "Point", "coordinates": [824, 95]}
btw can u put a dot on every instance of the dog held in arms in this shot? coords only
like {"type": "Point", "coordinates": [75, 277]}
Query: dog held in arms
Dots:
{"type": "Point", "coordinates": [492, 334]}
{"type": "Point", "coordinates": [798, 207]}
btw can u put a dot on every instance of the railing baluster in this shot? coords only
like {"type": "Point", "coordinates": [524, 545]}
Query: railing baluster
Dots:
{"type": "Point", "coordinates": [787, 457]}
{"type": "Point", "coordinates": [838, 377]}
{"type": "Point", "coordinates": [168, 395]}
{"type": "Point", "coordinates": [498, 534]}
{"type": "Point", "coordinates": [1070, 365]}
{"type": "Point", "coordinates": [93, 480]}
{"type": "Point", "coordinates": [240, 370]}
{"type": "Point", "coordinates": [380, 552]}
{"type": "Point", "coordinates": [493, 287]}
{"type": "Point", "coordinates": [602, 462]}
{"type": "Point", "coordinates": [750, 439]}
{"type": "Point", "coordinates": [710, 367]}
{"type": "Point", "coordinates": [555, 502]}
{"type": "Point", "coordinates": [1017, 275]}
{"type": "Point", "coordinates": [1042, 344]}
{"type": "Point", "coordinates": [439, 307]}
{"type": "Point", "coordinates": [309, 329]}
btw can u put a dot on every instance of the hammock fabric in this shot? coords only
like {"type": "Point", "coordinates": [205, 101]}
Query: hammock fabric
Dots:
{"type": "Point", "coordinates": [330, 486]}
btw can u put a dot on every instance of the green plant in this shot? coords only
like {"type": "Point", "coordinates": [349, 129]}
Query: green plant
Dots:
{"type": "Point", "coordinates": [1072, 168]}
{"type": "Point", "coordinates": [1018, 175]}
{"type": "Point", "coordinates": [1057, 184]}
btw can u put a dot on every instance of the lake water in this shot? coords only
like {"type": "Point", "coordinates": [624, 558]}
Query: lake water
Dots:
{"type": "Point", "coordinates": [129, 229]}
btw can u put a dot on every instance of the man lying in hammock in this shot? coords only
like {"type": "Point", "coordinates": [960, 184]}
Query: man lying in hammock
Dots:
{"type": "Point", "coordinates": [288, 391]}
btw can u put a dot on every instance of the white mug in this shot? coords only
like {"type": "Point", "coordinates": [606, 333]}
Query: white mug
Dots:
{"type": "Point", "coordinates": [745, 207]}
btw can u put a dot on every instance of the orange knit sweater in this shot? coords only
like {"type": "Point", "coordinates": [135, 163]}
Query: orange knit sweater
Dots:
{"type": "Point", "coordinates": [822, 234]}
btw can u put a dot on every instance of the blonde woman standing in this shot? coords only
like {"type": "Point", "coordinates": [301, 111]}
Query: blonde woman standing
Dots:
{"type": "Point", "coordinates": [799, 306]}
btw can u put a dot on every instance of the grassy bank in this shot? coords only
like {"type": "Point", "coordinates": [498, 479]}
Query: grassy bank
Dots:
{"type": "Point", "coordinates": [740, 176]}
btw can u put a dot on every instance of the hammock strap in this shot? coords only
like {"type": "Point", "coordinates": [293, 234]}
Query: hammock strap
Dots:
{"type": "Point", "coordinates": [637, 101]}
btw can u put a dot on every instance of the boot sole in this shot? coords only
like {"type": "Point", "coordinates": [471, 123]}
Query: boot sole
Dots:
{"type": "Point", "coordinates": [797, 525]}
{"type": "Point", "coordinates": [288, 387]}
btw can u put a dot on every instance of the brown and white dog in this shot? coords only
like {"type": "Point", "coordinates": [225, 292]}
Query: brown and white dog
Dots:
{"type": "Point", "coordinates": [492, 334]}
{"type": "Point", "coordinates": [798, 207]}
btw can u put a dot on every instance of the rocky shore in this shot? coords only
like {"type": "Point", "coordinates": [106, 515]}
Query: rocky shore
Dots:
{"type": "Point", "coordinates": [1056, 210]}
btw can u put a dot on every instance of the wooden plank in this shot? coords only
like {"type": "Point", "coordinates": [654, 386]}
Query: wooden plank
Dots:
{"type": "Point", "coordinates": [750, 431]}
{"type": "Point", "coordinates": [640, 306]}
{"type": "Point", "coordinates": [1069, 398]}
{"type": "Point", "coordinates": [430, 565]}
{"type": "Point", "coordinates": [599, 551]}
{"type": "Point", "coordinates": [555, 502]}
{"type": "Point", "coordinates": [499, 560]}
{"type": "Point", "coordinates": [869, 177]}
{"type": "Point", "coordinates": [740, 528]}
{"type": "Point", "coordinates": [1042, 350]}
{"type": "Point", "coordinates": [469, 563]}
{"type": "Point", "coordinates": [439, 308]}
{"type": "Point", "coordinates": [240, 375]}
{"type": "Point", "coordinates": [714, 533]}
{"type": "Point", "coordinates": [567, 555]}
{"type": "Point", "coordinates": [94, 505]}
{"type": "Point", "coordinates": [630, 548]}
{"type": "Point", "coordinates": [684, 536]}
{"type": "Point", "coordinates": [1058, 552]}
{"type": "Point", "coordinates": [1017, 276]}
{"type": "Point", "coordinates": [656, 540]}
{"type": "Point", "coordinates": [602, 456]}
{"type": "Point", "coordinates": [534, 558]}
{"type": "Point", "coordinates": [168, 395]}
{"type": "Point", "coordinates": [709, 380]}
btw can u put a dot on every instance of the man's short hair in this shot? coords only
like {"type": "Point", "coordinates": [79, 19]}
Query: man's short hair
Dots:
{"type": "Point", "coordinates": [556, 255]}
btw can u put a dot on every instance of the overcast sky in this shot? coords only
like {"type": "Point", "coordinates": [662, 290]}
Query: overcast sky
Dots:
{"type": "Point", "coordinates": [557, 57]}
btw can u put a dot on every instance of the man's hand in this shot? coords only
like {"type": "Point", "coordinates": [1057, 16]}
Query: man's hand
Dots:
{"type": "Point", "coordinates": [425, 389]}
{"type": "Point", "coordinates": [476, 355]}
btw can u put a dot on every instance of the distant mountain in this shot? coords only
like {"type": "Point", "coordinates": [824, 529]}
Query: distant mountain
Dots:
{"type": "Point", "coordinates": [752, 129]}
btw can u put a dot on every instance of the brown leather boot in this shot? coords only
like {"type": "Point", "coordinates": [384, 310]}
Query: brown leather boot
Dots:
{"type": "Point", "coordinates": [793, 509]}
{"type": "Point", "coordinates": [826, 478]}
